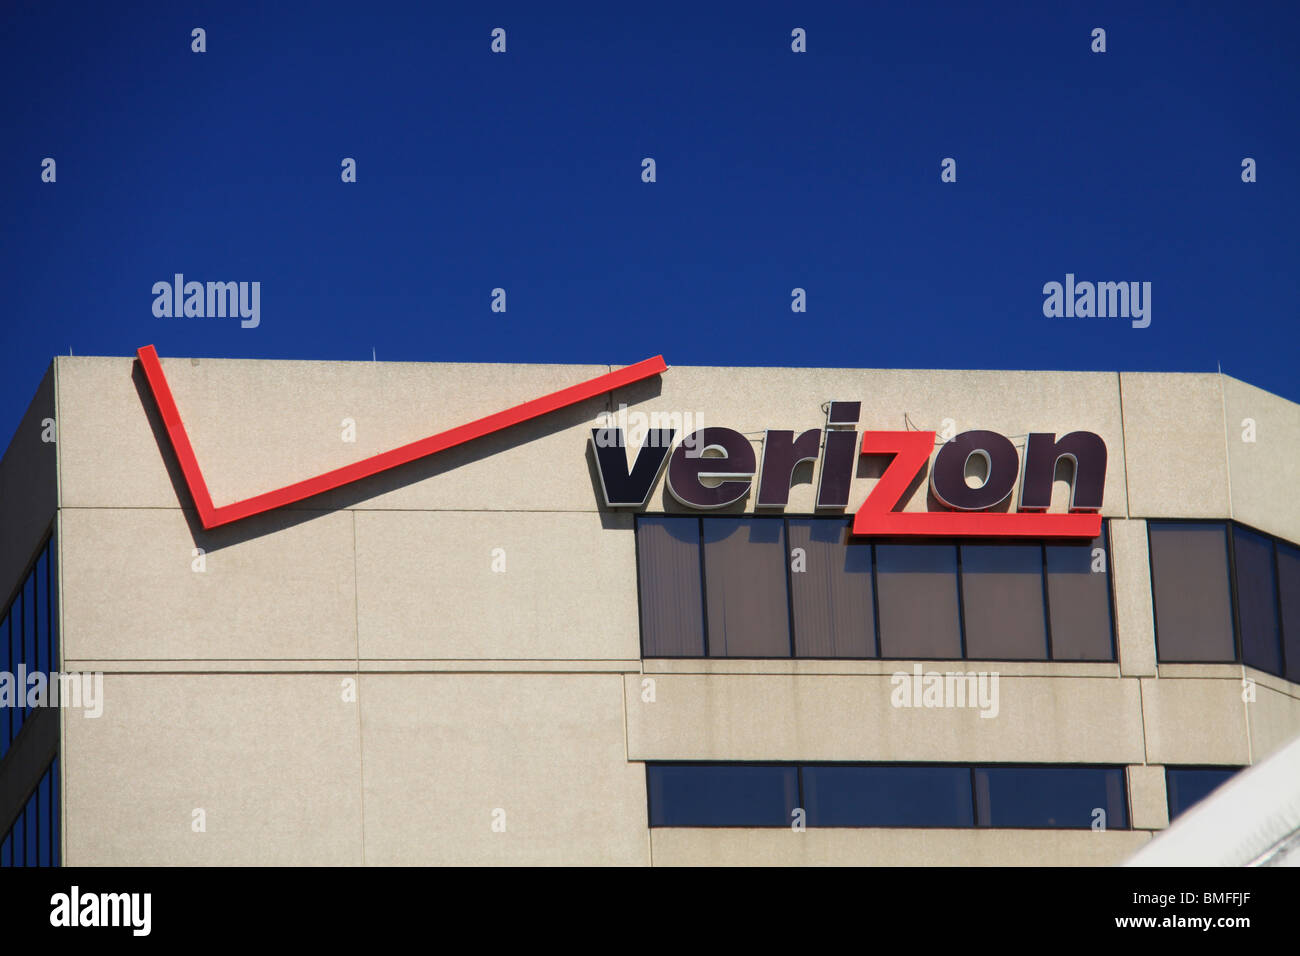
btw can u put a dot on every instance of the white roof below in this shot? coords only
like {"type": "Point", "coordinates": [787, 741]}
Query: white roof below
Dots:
{"type": "Point", "coordinates": [1252, 820]}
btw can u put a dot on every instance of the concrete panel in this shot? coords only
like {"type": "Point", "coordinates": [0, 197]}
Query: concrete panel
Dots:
{"type": "Point", "coordinates": [1131, 582]}
{"type": "Point", "coordinates": [1266, 471]}
{"type": "Point", "coordinates": [275, 587]}
{"type": "Point", "coordinates": [273, 760]}
{"type": "Point", "coordinates": [1173, 433]}
{"type": "Point", "coordinates": [1194, 721]}
{"type": "Point", "coordinates": [1148, 798]}
{"type": "Point", "coordinates": [110, 455]}
{"type": "Point", "coordinates": [427, 588]}
{"type": "Point", "coordinates": [443, 752]}
{"type": "Point", "coordinates": [1274, 720]}
{"type": "Point", "coordinates": [751, 400]}
{"type": "Point", "coordinates": [1040, 719]}
{"type": "Point", "coordinates": [882, 847]}
{"type": "Point", "coordinates": [28, 488]}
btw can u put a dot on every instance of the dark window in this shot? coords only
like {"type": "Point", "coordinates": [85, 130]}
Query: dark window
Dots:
{"type": "Point", "coordinates": [672, 612]}
{"type": "Point", "coordinates": [28, 642]}
{"type": "Point", "coordinates": [1225, 593]}
{"type": "Point", "coordinates": [1052, 797]}
{"type": "Point", "coordinates": [1002, 597]}
{"type": "Point", "coordinates": [830, 591]}
{"type": "Point", "coordinates": [33, 838]}
{"type": "Point", "coordinates": [18, 839]}
{"type": "Point", "coordinates": [29, 628]}
{"type": "Point", "coordinates": [1257, 600]}
{"type": "Point", "coordinates": [1078, 598]}
{"type": "Point", "coordinates": [1189, 785]}
{"type": "Point", "coordinates": [770, 587]}
{"type": "Point", "coordinates": [891, 795]}
{"type": "Point", "coordinates": [33, 817]}
{"type": "Point", "coordinates": [1189, 578]}
{"type": "Point", "coordinates": [917, 586]}
{"type": "Point", "coordinates": [1288, 581]}
{"type": "Point", "coordinates": [852, 796]}
{"type": "Point", "coordinates": [722, 795]}
{"type": "Point", "coordinates": [44, 803]}
{"type": "Point", "coordinates": [42, 624]}
{"type": "Point", "coordinates": [744, 582]}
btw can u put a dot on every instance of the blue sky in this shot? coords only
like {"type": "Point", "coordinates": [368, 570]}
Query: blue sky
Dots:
{"type": "Point", "coordinates": [775, 170]}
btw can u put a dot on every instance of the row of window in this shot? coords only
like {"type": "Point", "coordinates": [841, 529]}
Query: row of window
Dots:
{"type": "Point", "coordinates": [28, 638]}
{"type": "Point", "coordinates": [1225, 593]}
{"type": "Point", "coordinates": [33, 839]}
{"type": "Point", "coordinates": [764, 587]}
{"type": "Point", "coordinates": [907, 795]}
{"type": "Point", "coordinates": [886, 795]}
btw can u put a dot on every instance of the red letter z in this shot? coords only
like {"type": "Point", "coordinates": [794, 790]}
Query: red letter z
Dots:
{"type": "Point", "coordinates": [912, 451]}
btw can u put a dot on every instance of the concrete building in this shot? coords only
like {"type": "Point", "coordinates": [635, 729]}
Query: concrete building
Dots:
{"type": "Point", "coordinates": [472, 658]}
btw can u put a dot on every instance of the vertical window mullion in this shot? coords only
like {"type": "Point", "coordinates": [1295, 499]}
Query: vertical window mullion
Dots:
{"type": "Point", "coordinates": [961, 606]}
{"type": "Point", "coordinates": [1277, 610]}
{"type": "Point", "coordinates": [704, 584]}
{"type": "Point", "coordinates": [789, 586]}
{"type": "Point", "coordinates": [1047, 603]}
{"type": "Point", "coordinates": [1108, 553]}
{"type": "Point", "coordinates": [875, 604]}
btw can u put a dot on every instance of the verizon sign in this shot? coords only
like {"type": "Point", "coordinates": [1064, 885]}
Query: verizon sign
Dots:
{"type": "Point", "coordinates": [715, 467]}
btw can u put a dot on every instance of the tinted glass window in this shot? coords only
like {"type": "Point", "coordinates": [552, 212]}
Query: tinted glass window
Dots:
{"type": "Point", "coordinates": [1189, 578]}
{"type": "Point", "coordinates": [1002, 598]}
{"type": "Point", "coordinates": [1288, 576]}
{"type": "Point", "coordinates": [918, 601]}
{"type": "Point", "coordinates": [32, 815]}
{"type": "Point", "coordinates": [29, 625]}
{"type": "Point", "coordinates": [1054, 797]}
{"type": "Point", "coordinates": [830, 591]}
{"type": "Point", "coordinates": [18, 840]}
{"type": "Point", "coordinates": [849, 796]}
{"type": "Point", "coordinates": [1257, 600]}
{"type": "Point", "coordinates": [1187, 786]}
{"type": "Point", "coordinates": [16, 661]}
{"type": "Point", "coordinates": [745, 587]}
{"type": "Point", "coordinates": [713, 795]}
{"type": "Point", "coordinates": [33, 838]}
{"type": "Point", "coordinates": [1078, 599]}
{"type": "Point", "coordinates": [672, 611]}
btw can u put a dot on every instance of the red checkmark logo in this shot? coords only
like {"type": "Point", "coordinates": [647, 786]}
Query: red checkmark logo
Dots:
{"type": "Point", "coordinates": [212, 516]}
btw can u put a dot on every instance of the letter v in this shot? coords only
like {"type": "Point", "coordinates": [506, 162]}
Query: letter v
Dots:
{"type": "Point", "coordinates": [621, 488]}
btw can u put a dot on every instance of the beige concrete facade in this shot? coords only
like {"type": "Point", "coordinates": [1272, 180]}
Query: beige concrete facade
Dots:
{"type": "Point", "coordinates": [442, 663]}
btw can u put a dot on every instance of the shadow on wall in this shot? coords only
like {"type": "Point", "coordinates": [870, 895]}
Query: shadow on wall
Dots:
{"type": "Point", "coordinates": [356, 492]}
